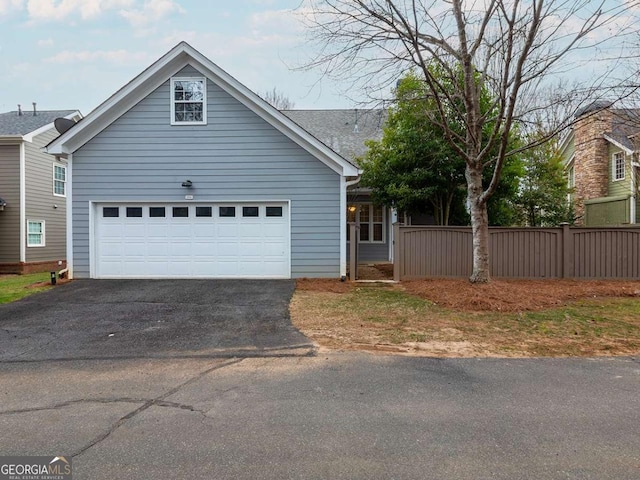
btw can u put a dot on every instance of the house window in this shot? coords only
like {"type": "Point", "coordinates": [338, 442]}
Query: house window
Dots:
{"type": "Point", "coordinates": [618, 166]}
{"type": "Point", "coordinates": [35, 233]}
{"type": "Point", "coordinates": [59, 180]}
{"type": "Point", "coordinates": [372, 222]}
{"type": "Point", "coordinates": [189, 101]}
{"type": "Point", "coordinates": [571, 177]}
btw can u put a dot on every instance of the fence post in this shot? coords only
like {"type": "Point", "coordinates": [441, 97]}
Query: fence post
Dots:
{"type": "Point", "coordinates": [567, 251]}
{"type": "Point", "coordinates": [396, 252]}
{"type": "Point", "coordinates": [353, 252]}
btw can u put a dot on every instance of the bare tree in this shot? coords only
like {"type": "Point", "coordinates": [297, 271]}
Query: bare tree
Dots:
{"type": "Point", "coordinates": [277, 99]}
{"type": "Point", "coordinates": [510, 47]}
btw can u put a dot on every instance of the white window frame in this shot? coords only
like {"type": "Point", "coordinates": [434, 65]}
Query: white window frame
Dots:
{"type": "Point", "coordinates": [43, 242]}
{"type": "Point", "coordinates": [360, 206]}
{"type": "Point", "coordinates": [173, 100]}
{"type": "Point", "coordinates": [64, 182]}
{"type": "Point", "coordinates": [614, 166]}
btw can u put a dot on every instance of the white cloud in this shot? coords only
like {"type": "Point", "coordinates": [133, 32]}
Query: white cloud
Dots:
{"type": "Point", "coordinates": [152, 11]}
{"type": "Point", "coordinates": [118, 57]}
{"type": "Point", "coordinates": [47, 10]}
{"type": "Point", "coordinates": [45, 43]}
{"type": "Point", "coordinates": [7, 6]}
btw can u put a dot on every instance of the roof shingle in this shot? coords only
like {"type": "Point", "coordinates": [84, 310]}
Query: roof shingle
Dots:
{"type": "Point", "coordinates": [13, 124]}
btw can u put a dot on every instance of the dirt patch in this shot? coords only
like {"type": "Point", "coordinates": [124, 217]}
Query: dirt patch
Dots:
{"type": "Point", "coordinates": [515, 295]}
{"type": "Point", "coordinates": [60, 281]}
{"type": "Point", "coordinates": [323, 285]}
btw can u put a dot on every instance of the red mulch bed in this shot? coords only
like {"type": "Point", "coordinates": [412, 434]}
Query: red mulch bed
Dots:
{"type": "Point", "coordinates": [516, 295]}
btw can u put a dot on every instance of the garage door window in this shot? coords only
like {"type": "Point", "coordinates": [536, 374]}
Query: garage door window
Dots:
{"type": "Point", "coordinates": [110, 212]}
{"type": "Point", "coordinates": [204, 211]}
{"type": "Point", "coordinates": [227, 211]}
{"type": "Point", "coordinates": [157, 212]}
{"type": "Point", "coordinates": [181, 212]}
{"type": "Point", "coordinates": [274, 211]}
{"type": "Point", "coordinates": [250, 211]}
{"type": "Point", "coordinates": [134, 212]}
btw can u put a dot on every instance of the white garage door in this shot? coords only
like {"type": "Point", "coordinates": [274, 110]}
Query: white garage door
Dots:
{"type": "Point", "coordinates": [245, 240]}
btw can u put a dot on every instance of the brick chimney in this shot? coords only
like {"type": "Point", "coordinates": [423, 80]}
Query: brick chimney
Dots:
{"type": "Point", "coordinates": [591, 161]}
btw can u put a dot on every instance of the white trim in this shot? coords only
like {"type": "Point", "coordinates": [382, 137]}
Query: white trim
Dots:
{"type": "Point", "coordinates": [93, 238]}
{"type": "Point", "coordinates": [343, 227]}
{"type": "Point", "coordinates": [54, 180]}
{"type": "Point", "coordinates": [69, 213]}
{"type": "Point", "coordinates": [172, 62]}
{"type": "Point", "coordinates": [627, 150]}
{"type": "Point", "coordinates": [632, 198]}
{"type": "Point", "coordinates": [173, 101]}
{"type": "Point", "coordinates": [393, 218]}
{"type": "Point", "coordinates": [44, 238]}
{"type": "Point", "coordinates": [23, 203]}
{"type": "Point", "coordinates": [30, 136]}
{"type": "Point", "coordinates": [614, 170]}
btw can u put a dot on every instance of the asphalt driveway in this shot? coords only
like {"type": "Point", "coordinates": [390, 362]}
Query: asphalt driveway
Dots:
{"type": "Point", "coordinates": [92, 319]}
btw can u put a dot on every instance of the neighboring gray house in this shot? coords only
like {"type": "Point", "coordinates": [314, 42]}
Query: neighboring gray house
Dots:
{"type": "Point", "coordinates": [32, 191]}
{"type": "Point", "coordinates": [346, 132]}
{"type": "Point", "coordinates": [184, 172]}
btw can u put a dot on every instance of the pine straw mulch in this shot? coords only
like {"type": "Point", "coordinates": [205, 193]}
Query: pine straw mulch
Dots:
{"type": "Point", "coordinates": [516, 295]}
{"type": "Point", "coordinates": [498, 295]}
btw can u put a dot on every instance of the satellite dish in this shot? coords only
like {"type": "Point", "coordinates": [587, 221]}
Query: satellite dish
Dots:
{"type": "Point", "coordinates": [63, 124]}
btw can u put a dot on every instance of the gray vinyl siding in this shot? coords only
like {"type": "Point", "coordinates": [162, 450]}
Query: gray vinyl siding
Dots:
{"type": "Point", "coordinates": [237, 156]}
{"type": "Point", "coordinates": [40, 200]}
{"type": "Point", "coordinates": [10, 192]}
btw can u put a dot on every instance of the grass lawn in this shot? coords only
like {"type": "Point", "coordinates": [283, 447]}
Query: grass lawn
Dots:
{"type": "Point", "coordinates": [390, 318]}
{"type": "Point", "coordinates": [15, 287]}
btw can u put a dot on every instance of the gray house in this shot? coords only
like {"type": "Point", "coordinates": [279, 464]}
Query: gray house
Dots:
{"type": "Point", "coordinates": [186, 173]}
{"type": "Point", "coordinates": [33, 189]}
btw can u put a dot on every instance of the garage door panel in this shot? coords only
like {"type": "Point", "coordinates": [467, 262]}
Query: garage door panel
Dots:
{"type": "Point", "coordinates": [155, 231]}
{"type": "Point", "coordinates": [135, 249]}
{"type": "Point", "coordinates": [228, 249]}
{"type": "Point", "coordinates": [227, 231]}
{"type": "Point", "coordinates": [192, 246]}
{"type": "Point", "coordinates": [157, 267]}
{"type": "Point", "coordinates": [157, 249]}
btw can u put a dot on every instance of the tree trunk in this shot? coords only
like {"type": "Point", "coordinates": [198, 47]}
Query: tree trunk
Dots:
{"type": "Point", "coordinates": [479, 225]}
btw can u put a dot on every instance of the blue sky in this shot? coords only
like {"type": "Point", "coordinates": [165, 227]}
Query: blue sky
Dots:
{"type": "Point", "coordinates": [66, 54]}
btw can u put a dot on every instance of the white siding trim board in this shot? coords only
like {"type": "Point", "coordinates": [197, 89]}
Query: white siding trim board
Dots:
{"type": "Point", "coordinates": [69, 212]}
{"type": "Point", "coordinates": [23, 203]}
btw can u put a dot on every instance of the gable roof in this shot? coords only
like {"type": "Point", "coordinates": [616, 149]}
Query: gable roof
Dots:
{"type": "Point", "coordinates": [168, 65]}
{"type": "Point", "coordinates": [344, 130]}
{"type": "Point", "coordinates": [13, 124]}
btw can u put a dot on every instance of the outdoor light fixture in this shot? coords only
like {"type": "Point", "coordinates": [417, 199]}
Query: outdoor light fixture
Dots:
{"type": "Point", "coordinates": [187, 183]}
{"type": "Point", "coordinates": [352, 208]}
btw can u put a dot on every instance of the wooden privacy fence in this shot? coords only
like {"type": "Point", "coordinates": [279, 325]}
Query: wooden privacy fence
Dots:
{"type": "Point", "coordinates": [562, 252]}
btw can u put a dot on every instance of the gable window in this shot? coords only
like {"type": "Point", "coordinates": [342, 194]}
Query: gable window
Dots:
{"type": "Point", "coordinates": [618, 166]}
{"type": "Point", "coordinates": [35, 233]}
{"type": "Point", "coordinates": [188, 101]}
{"type": "Point", "coordinates": [59, 180]}
{"type": "Point", "coordinates": [372, 222]}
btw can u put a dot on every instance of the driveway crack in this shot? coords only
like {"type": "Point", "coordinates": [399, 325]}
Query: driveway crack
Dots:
{"type": "Point", "coordinates": [159, 401]}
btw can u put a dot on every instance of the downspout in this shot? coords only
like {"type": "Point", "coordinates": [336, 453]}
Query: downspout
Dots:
{"type": "Point", "coordinates": [344, 184]}
{"type": "Point", "coordinates": [23, 203]}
